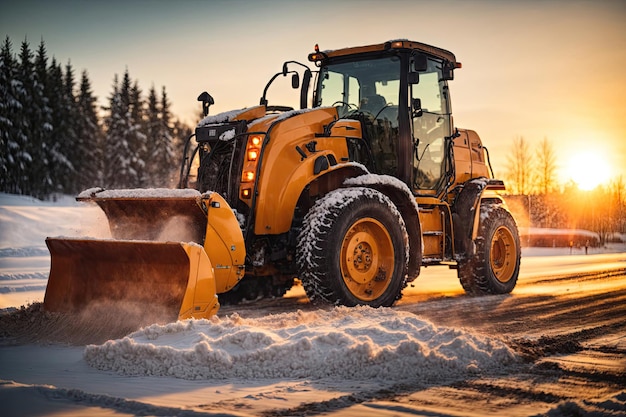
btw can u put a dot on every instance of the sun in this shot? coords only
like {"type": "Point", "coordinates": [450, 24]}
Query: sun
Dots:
{"type": "Point", "coordinates": [588, 170]}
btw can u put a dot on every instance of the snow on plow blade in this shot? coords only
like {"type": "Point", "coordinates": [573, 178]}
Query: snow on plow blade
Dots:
{"type": "Point", "coordinates": [159, 214]}
{"type": "Point", "coordinates": [169, 280]}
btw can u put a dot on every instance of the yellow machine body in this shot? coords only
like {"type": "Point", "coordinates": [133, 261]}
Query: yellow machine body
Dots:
{"type": "Point", "coordinates": [270, 180]}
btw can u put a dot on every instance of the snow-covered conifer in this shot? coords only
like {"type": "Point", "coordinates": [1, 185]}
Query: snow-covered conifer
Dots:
{"type": "Point", "coordinates": [90, 138]}
{"type": "Point", "coordinates": [11, 110]}
{"type": "Point", "coordinates": [160, 147]}
{"type": "Point", "coordinates": [63, 137]}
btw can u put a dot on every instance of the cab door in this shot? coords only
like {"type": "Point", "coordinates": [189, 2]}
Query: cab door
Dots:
{"type": "Point", "coordinates": [431, 128]}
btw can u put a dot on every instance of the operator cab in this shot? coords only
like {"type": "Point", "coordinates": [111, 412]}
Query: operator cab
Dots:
{"type": "Point", "coordinates": [399, 93]}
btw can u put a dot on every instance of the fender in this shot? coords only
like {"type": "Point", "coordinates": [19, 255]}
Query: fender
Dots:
{"type": "Point", "coordinates": [402, 197]}
{"type": "Point", "coordinates": [466, 212]}
{"type": "Point", "coordinates": [276, 221]}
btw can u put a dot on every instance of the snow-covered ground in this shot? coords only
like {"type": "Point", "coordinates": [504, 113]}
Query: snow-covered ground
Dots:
{"type": "Point", "coordinates": [234, 365]}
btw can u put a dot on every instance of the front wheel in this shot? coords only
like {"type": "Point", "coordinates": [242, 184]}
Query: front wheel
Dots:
{"type": "Point", "coordinates": [494, 267]}
{"type": "Point", "coordinates": [353, 249]}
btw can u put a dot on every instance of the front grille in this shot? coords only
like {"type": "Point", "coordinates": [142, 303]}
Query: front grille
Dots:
{"type": "Point", "coordinates": [222, 160]}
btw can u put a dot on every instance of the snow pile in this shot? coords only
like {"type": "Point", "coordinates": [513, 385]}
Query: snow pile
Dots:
{"type": "Point", "coordinates": [343, 343]}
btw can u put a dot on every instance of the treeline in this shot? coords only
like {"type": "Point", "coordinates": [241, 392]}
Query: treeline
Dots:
{"type": "Point", "coordinates": [538, 200]}
{"type": "Point", "coordinates": [55, 139]}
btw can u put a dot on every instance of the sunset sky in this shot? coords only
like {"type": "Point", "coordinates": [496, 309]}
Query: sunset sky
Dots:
{"type": "Point", "coordinates": [535, 69]}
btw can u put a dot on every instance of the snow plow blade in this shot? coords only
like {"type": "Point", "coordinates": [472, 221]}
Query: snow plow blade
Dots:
{"type": "Point", "coordinates": [181, 216]}
{"type": "Point", "coordinates": [166, 280]}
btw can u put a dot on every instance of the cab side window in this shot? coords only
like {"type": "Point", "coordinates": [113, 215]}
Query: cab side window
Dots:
{"type": "Point", "coordinates": [430, 128]}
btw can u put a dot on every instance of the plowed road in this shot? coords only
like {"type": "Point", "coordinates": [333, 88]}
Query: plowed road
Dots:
{"type": "Point", "coordinates": [567, 316]}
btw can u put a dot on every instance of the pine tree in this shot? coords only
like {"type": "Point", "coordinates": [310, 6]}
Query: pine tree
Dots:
{"type": "Point", "coordinates": [45, 123]}
{"type": "Point", "coordinates": [153, 131]}
{"type": "Point", "coordinates": [160, 140]}
{"type": "Point", "coordinates": [136, 136]}
{"type": "Point", "coordinates": [167, 161]}
{"type": "Point", "coordinates": [12, 137]}
{"type": "Point", "coordinates": [116, 148]}
{"type": "Point", "coordinates": [62, 135]}
{"type": "Point", "coordinates": [124, 141]}
{"type": "Point", "coordinates": [73, 143]}
{"type": "Point", "coordinates": [90, 138]}
{"type": "Point", "coordinates": [29, 142]}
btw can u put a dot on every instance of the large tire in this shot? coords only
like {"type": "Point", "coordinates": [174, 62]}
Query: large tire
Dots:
{"type": "Point", "coordinates": [353, 249]}
{"type": "Point", "coordinates": [494, 267]}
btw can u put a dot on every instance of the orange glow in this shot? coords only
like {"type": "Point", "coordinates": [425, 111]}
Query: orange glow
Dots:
{"type": "Point", "coordinates": [256, 140]}
{"type": "Point", "coordinates": [253, 154]}
{"type": "Point", "coordinates": [248, 176]}
{"type": "Point", "coordinates": [588, 170]}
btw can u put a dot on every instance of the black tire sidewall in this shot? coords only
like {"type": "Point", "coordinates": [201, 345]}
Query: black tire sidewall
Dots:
{"type": "Point", "coordinates": [476, 273]}
{"type": "Point", "coordinates": [331, 285]}
{"type": "Point", "coordinates": [359, 210]}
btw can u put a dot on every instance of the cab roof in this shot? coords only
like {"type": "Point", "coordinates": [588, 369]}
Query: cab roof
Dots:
{"type": "Point", "coordinates": [393, 44]}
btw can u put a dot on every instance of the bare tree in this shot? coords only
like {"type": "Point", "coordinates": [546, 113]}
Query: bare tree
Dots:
{"type": "Point", "coordinates": [617, 190]}
{"type": "Point", "coordinates": [546, 167]}
{"type": "Point", "coordinates": [520, 168]}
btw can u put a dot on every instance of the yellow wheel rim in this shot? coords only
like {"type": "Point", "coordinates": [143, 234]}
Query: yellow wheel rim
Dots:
{"type": "Point", "coordinates": [503, 254]}
{"type": "Point", "coordinates": [367, 259]}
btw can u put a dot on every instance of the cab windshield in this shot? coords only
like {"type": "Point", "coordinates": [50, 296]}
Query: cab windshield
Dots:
{"type": "Point", "coordinates": [369, 84]}
{"type": "Point", "coordinates": [367, 90]}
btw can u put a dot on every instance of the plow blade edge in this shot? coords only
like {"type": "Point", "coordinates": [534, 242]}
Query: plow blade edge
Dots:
{"type": "Point", "coordinates": [171, 280]}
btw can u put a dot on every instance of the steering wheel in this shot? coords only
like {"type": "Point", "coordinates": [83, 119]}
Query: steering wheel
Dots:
{"type": "Point", "coordinates": [345, 104]}
{"type": "Point", "coordinates": [345, 108]}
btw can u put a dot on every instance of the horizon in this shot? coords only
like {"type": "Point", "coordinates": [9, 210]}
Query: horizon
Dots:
{"type": "Point", "coordinates": [534, 69]}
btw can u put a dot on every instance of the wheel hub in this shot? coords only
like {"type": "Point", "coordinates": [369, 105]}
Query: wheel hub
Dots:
{"type": "Point", "coordinates": [367, 255]}
{"type": "Point", "coordinates": [363, 257]}
{"type": "Point", "coordinates": [360, 259]}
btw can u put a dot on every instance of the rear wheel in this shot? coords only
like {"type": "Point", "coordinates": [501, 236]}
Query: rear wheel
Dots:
{"type": "Point", "coordinates": [353, 249]}
{"type": "Point", "coordinates": [494, 268]}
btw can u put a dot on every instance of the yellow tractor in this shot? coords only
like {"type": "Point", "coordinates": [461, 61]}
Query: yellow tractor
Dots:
{"type": "Point", "coordinates": [351, 195]}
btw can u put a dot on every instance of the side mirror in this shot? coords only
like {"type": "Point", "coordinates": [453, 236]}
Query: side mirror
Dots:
{"type": "Point", "coordinates": [416, 107]}
{"type": "Point", "coordinates": [420, 62]}
{"type": "Point", "coordinates": [207, 101]}
{"type": "Point", "coordinates": [414, 77]}
{"type": "Point", "coordinates": [295, 81]}
{"type": "Point", "coordinates": [447, 72]}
